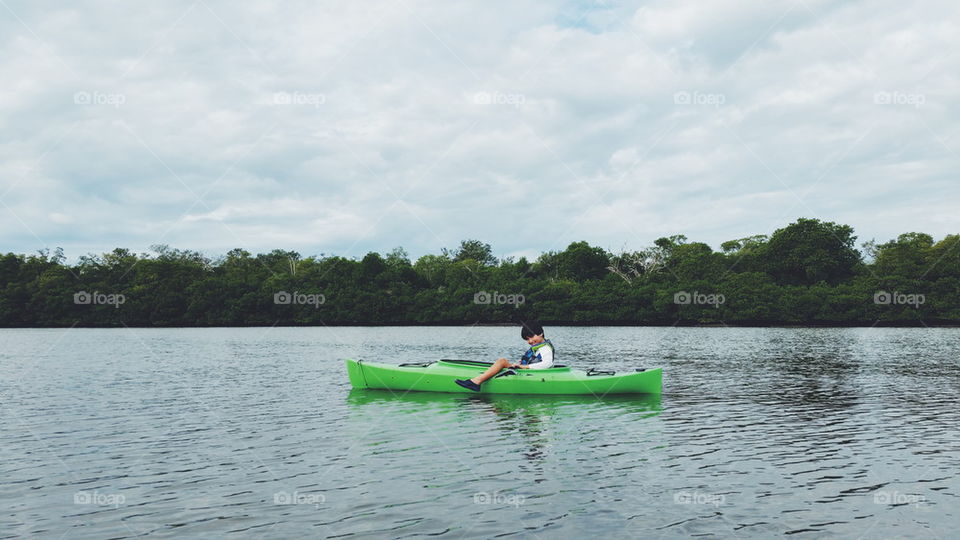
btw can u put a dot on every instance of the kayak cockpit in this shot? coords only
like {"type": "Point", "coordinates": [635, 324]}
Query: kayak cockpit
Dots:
{"type": "Point", "coordinates": [557, 368]}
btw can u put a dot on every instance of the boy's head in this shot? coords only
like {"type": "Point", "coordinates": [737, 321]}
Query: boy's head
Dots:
{"type": "Point", "coordinates": [531, 331]}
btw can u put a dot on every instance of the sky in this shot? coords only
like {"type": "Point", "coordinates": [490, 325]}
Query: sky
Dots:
{"type": "Point", "coordinates": [340, 128]}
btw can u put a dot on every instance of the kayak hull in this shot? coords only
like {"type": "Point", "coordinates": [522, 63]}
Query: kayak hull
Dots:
{"type": "Point", "coordinates": [439, 377]}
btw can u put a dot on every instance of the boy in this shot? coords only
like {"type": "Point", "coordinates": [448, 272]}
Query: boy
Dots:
{"type": "Point", "coordinates": [539, 356]}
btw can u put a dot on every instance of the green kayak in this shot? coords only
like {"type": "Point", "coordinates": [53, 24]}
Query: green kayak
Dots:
{"type": "Point", "coordinates": [438, 377]}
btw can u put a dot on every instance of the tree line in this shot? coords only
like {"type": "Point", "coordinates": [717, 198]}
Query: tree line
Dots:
{"type": "Point", "coordinates": [809, 272]}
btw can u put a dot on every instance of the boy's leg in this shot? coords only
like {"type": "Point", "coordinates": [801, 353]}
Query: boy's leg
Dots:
{"type": "Point", "coordinates": [491, 371]}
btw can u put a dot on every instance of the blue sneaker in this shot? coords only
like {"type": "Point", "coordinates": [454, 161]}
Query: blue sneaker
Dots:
{"type": "Point", "coordinates": [468, 384]}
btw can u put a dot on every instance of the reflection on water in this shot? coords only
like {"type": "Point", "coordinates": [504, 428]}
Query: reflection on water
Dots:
{"type": "Point", "coordinates": [502, 403]}
{"type": "Point", "coordinates": [532, 417]}
{"type": "Point", "coordinates": [256, 433]}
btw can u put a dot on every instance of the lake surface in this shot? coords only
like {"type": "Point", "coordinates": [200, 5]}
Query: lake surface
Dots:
{"type": "Point", "coordinates": [255, 433]}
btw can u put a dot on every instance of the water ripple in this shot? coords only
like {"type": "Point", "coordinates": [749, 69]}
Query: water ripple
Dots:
{"type": "Point", "coordinates": [228, 432]}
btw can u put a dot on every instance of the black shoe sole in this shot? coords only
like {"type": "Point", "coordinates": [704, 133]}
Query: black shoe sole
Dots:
{"type": "Point", "coordinates": [466, 385]}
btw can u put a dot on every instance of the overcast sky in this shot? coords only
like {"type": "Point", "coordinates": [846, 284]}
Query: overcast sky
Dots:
{"type": "Point", "coordinates": [348, 127]}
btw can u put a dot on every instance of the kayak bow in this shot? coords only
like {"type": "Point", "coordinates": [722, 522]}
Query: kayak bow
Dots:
{"type": "Point", "coordinates": [439, 376]}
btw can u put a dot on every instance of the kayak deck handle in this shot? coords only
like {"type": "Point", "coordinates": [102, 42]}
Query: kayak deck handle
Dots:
{"type": "Point", "coordinates": [473, 363]}
{"type": "Point", "coordinates": [594, 371]}
{"type": "Point", "coordinates": [417, 364]}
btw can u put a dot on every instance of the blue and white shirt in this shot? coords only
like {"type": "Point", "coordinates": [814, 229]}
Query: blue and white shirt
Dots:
{"type": "Point", "coordinates": [540, 356]}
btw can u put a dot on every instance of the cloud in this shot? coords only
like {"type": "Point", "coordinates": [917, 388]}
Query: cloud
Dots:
{"type": "Point", "coordinates": [363, 126]}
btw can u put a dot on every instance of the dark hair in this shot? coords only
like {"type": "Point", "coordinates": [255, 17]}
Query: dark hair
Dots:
{"type": "Point", "coordinates": [529, 329]}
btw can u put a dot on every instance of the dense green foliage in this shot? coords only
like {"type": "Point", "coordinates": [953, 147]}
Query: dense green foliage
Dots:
{"type": "Point", "coordinates": [809, 272]}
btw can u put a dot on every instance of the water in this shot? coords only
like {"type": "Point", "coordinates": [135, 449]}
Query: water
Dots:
{"type": "Point", "coordinates": [255, 433]}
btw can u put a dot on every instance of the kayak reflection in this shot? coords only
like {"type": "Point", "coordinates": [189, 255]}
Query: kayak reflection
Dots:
{"type": "Point", "coordinates": [537, 422]}
{"type": "Point", "coordinates": [509, 404]}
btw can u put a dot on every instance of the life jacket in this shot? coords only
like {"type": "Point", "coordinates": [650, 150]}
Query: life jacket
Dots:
{"type": "Point", "coordinates": [532, 356]}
